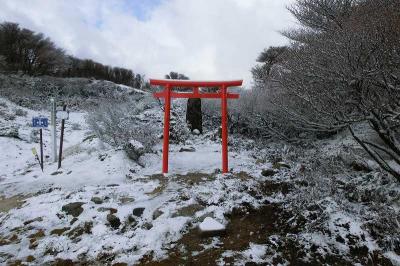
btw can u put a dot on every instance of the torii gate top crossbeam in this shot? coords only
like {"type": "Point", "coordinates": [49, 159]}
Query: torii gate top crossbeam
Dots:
{"type": "Point", "coordinates": [221, 85]}
{"type": "Point", "coordinates": [191, 83]}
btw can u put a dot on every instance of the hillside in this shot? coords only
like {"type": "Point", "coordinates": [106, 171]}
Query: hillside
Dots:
{"type": "Point", "coordinates": [275, 140]}
{"type": "Point", "coordinates": [122, 211]}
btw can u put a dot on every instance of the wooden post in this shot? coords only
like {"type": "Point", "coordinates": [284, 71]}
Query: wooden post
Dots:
{"type": "Point", "coordinates": [167, 91]}
{"type": "Point", "coordinates": [224, 111]}
{"type": "Point", "coordinates": [41, 148]}
{"type": "Point", "coordinates": [61, 139]}
{"type": "Point", "coordinates": [53, 130]}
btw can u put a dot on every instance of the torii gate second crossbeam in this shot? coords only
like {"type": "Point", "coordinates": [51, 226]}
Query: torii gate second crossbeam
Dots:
{"type": "Point", "coordinates": [222, 94]}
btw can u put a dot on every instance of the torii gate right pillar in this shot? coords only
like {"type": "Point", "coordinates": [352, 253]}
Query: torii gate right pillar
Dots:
{"type": "Point", "coordinates": [224, 125]}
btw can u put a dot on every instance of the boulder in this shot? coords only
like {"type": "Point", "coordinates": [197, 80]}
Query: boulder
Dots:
{"type": "Point", "coordinates": [196, 132]}
{"type": "Point", "coordinates": [187, 149]}
{"type": "Point", "coordinates": [74, 208]}
{"type": "Point", "coordinates": [134, 149]}
{"type": "Point", "coordinates": [125, 200]}
{"type": "Point", "coordinates": [105, 209]}
{"type": "Point", "coordinates": [59, 231]}
{"type": "Point", "coordinates": [97, 200]}
{"type": "Point", "coordinates": [211, 227]}
{"type": "Point", "coordinates": [132, 220]}
{"type": "Point", "coordinates": [280, 165]}
{"type": "Point", "coordinates": [157, 213]}
{"type": "Point", "coordinates": [268, 172]}
{"type": "Point", "coordinates": [113, 221]}
{"type": "Point", "coordinates": [138, 211]}
{"type": "Point", "coordinates": [188, 211]}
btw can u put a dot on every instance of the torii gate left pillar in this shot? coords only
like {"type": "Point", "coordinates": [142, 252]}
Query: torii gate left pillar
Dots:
{"type": "Point", "coordinates": [222, 94]}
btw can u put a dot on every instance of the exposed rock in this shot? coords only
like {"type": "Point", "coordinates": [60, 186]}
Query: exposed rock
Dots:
{"type": "Point", "coordinates": [125, 200]}
{"type": "Point", "coordinates": [196, 132]}
{"type": "Point", "coordinates": [260, 161]}
{"type": "Point", "coordinates": [104, 209]}
{"type": "Point", "coordinates": [188, 211]}
{"type": "Point", "coordinates": [37, 219]}
{"type": "Point", "coordinates": [134, 149]}
{"type": "Point", "coordinates": [38, 234]}
{"type": "Point", "coordinates": [59, 231]}
{"type": "Point", "coordinates": [360, 166]}
{"type": "Point", "coordinates": [113, 221]}
{"type": "Point", "coordinates": [210, 227]}
{"type": "Point", "coordinates": [157, 213]}
{"type": "Point", "coordinates": [13, 238]}
{"type": "Point", "coordinates": [147, 226]}
{"type": "Point", "coordinates": [102, 157]}
{"type": "Point", "coordinates": [138, 211]}
{"type": "Point", "coordinates": [56, 173]}
{"type": "Point", "coordinates": [279, 165]}
{"type": "Point", "coordinates": [97, 200]}
{"type": "Point", "coordinates": [131, 220]}
{"type": "Point", "coordinates": [4, 242]}
{"type": "Point", "coordinates": [63, 262]}
{"type": "Point", "coordinates": [33, 244]}
{"type": "Point", "coordinates": [30, 258]}
{"type": "Point", "coordinates": [268, 172]}
{"type": "Point", "coordinates": [187, 149]}
{"type": "Point", "coordinates": [75, 208]}
{"type": "Point", "coordinates": [85, 228]}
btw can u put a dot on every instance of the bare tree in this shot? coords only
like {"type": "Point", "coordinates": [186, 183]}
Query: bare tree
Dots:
{"type": "Point", "coordinates": [341, 70]}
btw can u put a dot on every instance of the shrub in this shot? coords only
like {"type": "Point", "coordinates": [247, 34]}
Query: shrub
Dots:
{"type": "Point", "coordinates": [118, 124]}
{"type": "Point", "coordinates": [20, 112]}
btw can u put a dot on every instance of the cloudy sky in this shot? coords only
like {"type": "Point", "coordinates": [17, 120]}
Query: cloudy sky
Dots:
{"type": "Point", "coordinates": [204, 39]}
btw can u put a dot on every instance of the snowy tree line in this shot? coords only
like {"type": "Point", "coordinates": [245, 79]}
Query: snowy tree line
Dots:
{"type": "Point", "coordinates": [22, 50]}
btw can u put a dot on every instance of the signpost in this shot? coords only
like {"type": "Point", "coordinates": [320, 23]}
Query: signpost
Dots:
{"type": "Point", "coordinates": [40, 122]}
{"type": "Point", "coordinates": [62, 115]}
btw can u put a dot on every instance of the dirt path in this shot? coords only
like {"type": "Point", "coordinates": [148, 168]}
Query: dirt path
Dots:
{"type": "Point", "coordinates": [253, 227]}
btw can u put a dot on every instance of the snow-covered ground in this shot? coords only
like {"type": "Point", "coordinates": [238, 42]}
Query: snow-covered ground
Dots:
{"type": "Point", "coordinates": [93, 169]}
{"type": "Point", "coordinates": [103, 207]}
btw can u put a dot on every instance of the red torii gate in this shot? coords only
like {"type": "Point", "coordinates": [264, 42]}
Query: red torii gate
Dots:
{"type": "Point", "coordinates": [222, 94]}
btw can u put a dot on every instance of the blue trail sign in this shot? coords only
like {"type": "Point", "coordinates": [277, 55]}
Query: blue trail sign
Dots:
{"type": "Point", "coordinates": [40, 122]}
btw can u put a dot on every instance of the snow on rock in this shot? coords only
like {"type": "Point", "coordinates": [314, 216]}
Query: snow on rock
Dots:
{"type": "Point", "coordinates": [211, 227]}
{"type": "Point", "coordinates": [134, 149]}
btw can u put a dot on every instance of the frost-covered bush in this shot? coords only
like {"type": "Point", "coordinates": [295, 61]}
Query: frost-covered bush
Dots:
{"type": "Point", "coordinates": [250, 115]}
{"type": "Point", "coordinates": [179, 131]}
{"type": "Point", "coordinates": [20, 112]}
{"type": "Point", "coordinates": [76, 126]}
{"type": "Point", "coordinates": [119, 124]}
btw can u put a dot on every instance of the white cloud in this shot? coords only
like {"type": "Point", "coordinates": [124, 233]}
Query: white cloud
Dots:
{"type": "Point", "coordinates": [205, 39]}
